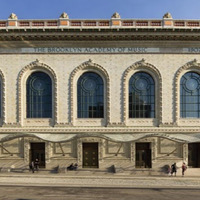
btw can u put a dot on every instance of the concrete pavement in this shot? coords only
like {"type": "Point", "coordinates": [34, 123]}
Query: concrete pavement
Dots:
{"type": "Point", "coordinates": [88, 179]}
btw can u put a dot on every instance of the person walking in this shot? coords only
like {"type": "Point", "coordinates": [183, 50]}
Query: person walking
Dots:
{"type": "Point", "coordinates": [32, 166]}
{"type": "Point", "coordinates": [36, 164]}
{"type": "Point", "coordinates": [173, 169]}
{"type": "Point", "coordinates": [184, 167]}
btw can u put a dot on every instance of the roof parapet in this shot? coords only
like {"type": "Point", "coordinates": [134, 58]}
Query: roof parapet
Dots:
{"type": "Point", "coordinates": [114, 22]}
{"type": "Point", "coordinates": [12, 20]}
{"type": "Point", "coordinates": [64, 19]}
{"type": "Point", "coordinates": [167, 20]}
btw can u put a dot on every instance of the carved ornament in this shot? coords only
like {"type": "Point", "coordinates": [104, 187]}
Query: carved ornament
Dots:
{"type": "Point", "coordinates": [116, 16]}
{"type": "Point", "coordinates": [192, 65]}
{"type": "Point", "coordinates": [35, 65]}
{"type": "Point", "coordinates": [64, 15]}
{"type": "Point", "coordinates": [142, 65]}
{"type": "Point", "coordinates": [13, 16]}
{"type": "Point", "coordinates": [89, 65]}
{"type": "Point", "coordinates": [167, 16]}
{"type": "Point", "coordinates": [2, 78]}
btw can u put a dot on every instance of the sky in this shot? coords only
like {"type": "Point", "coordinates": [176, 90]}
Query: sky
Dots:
{"type": "Point", "coordinates": [100, 9]}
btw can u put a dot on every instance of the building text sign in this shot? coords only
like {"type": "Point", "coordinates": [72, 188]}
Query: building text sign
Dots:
{"type": "Point", "coordinates": [99, 50]}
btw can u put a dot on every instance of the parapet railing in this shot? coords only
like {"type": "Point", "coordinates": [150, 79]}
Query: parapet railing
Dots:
{"type": "Point", "coordinates": [99, 24]}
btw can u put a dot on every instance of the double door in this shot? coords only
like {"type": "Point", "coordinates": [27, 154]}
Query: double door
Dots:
{"type": "Point", "coordinates": [194, 155]}
{"type": "Point", "coordinates": [143, 155]}
{"type": "Point", "coordinates": [37, 151]}
{"type": "Point", "coordinates": [90, 155]}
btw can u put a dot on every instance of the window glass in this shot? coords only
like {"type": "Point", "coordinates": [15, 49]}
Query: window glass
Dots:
{"type": "Point", "coordinates": [190, 95]}
{"type": "Point", "coordinates": [39, 96]}
{"type": "Point", "coordinates": [141, 96]}
{"type": "Point", "coordinates": [90, 96]}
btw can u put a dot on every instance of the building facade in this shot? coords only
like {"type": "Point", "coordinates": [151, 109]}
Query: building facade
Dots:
{"type": "Point", "coordinates": [99, 93]}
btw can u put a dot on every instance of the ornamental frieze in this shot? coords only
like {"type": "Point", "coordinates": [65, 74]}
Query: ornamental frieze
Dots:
{"type": "Point", "coordinates": [100, 130]}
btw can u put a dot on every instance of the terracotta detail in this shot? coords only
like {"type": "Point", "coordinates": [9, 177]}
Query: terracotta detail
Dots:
{"type": "Point", "coordinates": [36, 65]}
{"type": "Point", "coordinates": [192, 65]}
{"type": "Point", "coordinates": [168, 23]}
{"type": "Point", "coordinates": [11, 23]}
{"type": "Point", "coordinates": [87, 66]}
{"type": "Point", "coordinates": [142, 66]}
{"type": "Point", "coordinates": [63, 23]}
{"type": "Point", "coordinates": [116, 23]}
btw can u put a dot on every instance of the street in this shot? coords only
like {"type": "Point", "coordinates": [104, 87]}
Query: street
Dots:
{"type": "Point", "coordinates": [81, 193]}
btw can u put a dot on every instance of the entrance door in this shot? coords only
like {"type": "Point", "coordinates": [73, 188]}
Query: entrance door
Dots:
{"type": "Point", "coordinates": [194, 155]}
{"type": "Point", "coordinates": [143, 155]}
{"type": "Point", "coordinates": [90, 155]}
{"type": "Point", "coordinates": [38, 152]}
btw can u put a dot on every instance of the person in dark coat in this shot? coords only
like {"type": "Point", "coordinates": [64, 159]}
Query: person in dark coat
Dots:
{"type": "Point", "coordinates": [32, 167]}
{"type": "Point", "coordinates": [70, 167]}
{"type": "Point", "coordinates": [173, 169]}
{"type": "Point", "coordinates": [36, 164]}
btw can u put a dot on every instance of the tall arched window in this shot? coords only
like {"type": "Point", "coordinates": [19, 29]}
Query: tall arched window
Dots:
{"type": "Point", "coordinates": [90, 96]}
{"type": "Point", "coordinates": [190, 95]}
{"type": "Point", "coordinates": [141, 96]}
{"type": "Point", "coordinates": [39, 96]}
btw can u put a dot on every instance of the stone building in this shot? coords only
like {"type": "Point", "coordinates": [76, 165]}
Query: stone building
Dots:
{"type": "Point", "coordinates": [122, 92]}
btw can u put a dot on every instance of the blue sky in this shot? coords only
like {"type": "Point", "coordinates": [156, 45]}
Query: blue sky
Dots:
{"type": "Point", "coordinates": [100, 9]}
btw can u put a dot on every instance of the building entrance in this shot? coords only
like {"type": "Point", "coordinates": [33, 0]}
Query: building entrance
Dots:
{"type": "Point", "coordinates": [90, 155]}
{"type": "Point", "coordinates": [37, 151]}
{"type": "Point", "coordinates": [143, 155]}
{"type": "Point", "coordinates": [194, 155]}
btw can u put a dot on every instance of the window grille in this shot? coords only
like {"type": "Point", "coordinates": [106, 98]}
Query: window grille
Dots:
{"type": "Point", "coordinates": [141, 96]}
{"type": "Point", "coordinates": [90, 96]}
{"type": "Point", "coordinates": [39, 96]}
{"type": "Point", "coordinates": [190, 95]}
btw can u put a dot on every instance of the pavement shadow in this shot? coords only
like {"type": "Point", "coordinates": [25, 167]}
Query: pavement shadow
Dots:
{"type": "Point", "coordinates": [23, 199]}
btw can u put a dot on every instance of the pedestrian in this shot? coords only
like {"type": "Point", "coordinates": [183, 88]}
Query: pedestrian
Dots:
{"type": "Point", "coordinates": [70, 167]}
{"type": "Point", "coordinates": [36, 164]}
{"type": "Point", "coordinates": [184, 167]}
{"type": "Point", "coordinates": [32, 166]}
{"type": "Point", "coordinates": [75, 166]}
{"type": "Point", "coordinates": [173, 169]}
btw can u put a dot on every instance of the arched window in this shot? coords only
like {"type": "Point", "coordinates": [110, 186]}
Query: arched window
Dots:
{"type": "Point", "coordinates": [190, 95]}
{"type": "Point", "coordinates": [90, 96]}
{"type": "Point", "coordinates": [141, 96]}
{"type": "Point", "coordinates": [39, 96]}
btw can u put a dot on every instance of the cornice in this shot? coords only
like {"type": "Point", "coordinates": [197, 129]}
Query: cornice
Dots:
{"type": "Point", "coordinates": [95, 35]}
{"type": "Point", "coordinates": [112, 130]}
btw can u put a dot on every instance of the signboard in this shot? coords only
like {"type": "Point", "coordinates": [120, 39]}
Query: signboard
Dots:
{"type": "Point", "coordinates": [99, 50]}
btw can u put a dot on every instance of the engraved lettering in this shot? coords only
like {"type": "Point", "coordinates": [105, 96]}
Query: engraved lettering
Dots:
{"type": "Point", "coordinates": [194, 50]}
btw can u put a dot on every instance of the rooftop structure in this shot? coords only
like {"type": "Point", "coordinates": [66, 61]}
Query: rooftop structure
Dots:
{"type": "Point", "coordinates": [64, 22]}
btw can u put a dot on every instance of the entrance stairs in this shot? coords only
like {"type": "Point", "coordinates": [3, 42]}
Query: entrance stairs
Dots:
{"type": "Point", "coordinates": [17, 165]}
{"type": "Point", "coordinates": [13, 165]}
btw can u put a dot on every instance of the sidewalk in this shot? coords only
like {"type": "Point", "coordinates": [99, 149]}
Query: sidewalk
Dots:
{"type": "Point", "coordinates": [97, 180]}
